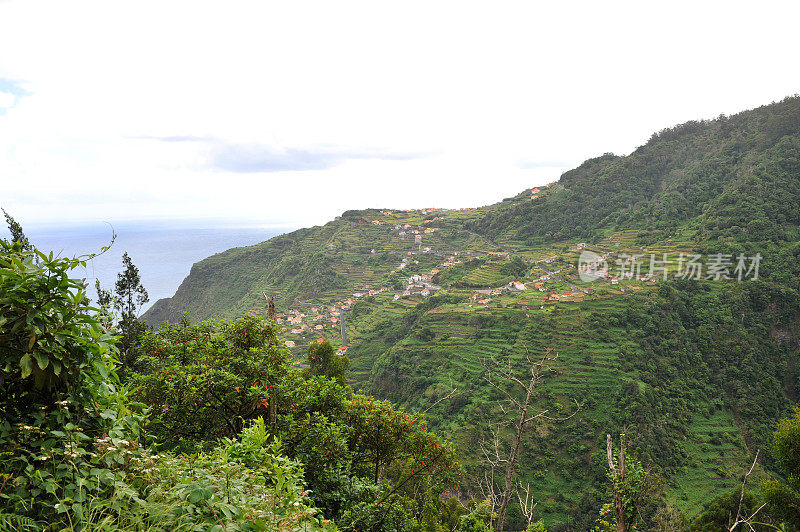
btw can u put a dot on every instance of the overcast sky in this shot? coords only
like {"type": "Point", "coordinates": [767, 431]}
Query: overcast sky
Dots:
{"type": "Point", "coordinates": [291, 112]}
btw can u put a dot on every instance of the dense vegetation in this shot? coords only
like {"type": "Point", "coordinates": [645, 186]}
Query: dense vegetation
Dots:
{"type": "Point", "coordinates": [697, 373]}
{"type": "Point", "coordinates": [732, 177]}
{"type": "Point", "coordinates": [213, 429]}
{"type": "Point", "coordinates": [74, 446]}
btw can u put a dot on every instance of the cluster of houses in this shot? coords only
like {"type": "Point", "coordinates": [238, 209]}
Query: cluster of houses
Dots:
{"type": "Point", "coordinates": [419, 285]}
{"type": "Point", "coordinates": [538, 191]}
{"type": "Point", "coordinates": [480, 296]}
{"type": "Point", "coordinates": [318, 319]}
{"type": "Point", "coordinates": [328, 317]}
{"type": "Point", "coordinates": [407, 230]}
{"type": "Point", "coordinates": [368, 291]}
{"type": "Point", "coordinates": [558, 297]}
{"type": "Point", "coordinates": [405, 262]}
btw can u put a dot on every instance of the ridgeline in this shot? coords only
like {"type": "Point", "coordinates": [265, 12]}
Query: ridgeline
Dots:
{"type": "Point", "coordinates": [696, 368]}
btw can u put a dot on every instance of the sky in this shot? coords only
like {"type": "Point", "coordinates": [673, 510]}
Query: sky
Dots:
{"type": "Point", "coordinates": [289, 113]}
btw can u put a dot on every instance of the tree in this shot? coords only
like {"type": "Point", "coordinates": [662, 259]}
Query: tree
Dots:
{"type": "Point", "coordinates": [74, 454]}
{"type": "Point", "coordinates": [366, 462]}
{"type": "Point", "coordinates": [323, 361]}
{"type": "Point", "coordinates": [410, 464]}
{"type": "Point", "coordinates": [722, 510]}
{"type": "Point", "coordinates": [45, 322]}
{"type": "Point", "coordinates": [207, 379]}
{"type": "Point", "coordinates": [503, 378]}
{"type": "Point", "coordinates": [629, 479]}
{"type": "Point", "coordinates": [130, 296]}
{"type": "Point", "coordinates": [17, 234]}
{"type": "Point", "coordinates": [783, 499]}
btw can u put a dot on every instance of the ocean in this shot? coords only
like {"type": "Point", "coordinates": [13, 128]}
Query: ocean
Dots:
{"type": "Point", "coordinates": [163, 251]}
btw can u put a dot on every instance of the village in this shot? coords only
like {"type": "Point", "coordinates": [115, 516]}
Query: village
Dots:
{"type": "Point", "coordinates": [563, 274]}
{"type": "Point", "coordinates": [304, 323]}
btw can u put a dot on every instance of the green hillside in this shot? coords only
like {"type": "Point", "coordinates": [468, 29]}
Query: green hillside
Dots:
{"type": "Point", "coordinates": [695, 371]}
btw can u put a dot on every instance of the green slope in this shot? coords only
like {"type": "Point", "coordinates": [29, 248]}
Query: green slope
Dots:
{"type": "Point", "coordinates": [695, 372]}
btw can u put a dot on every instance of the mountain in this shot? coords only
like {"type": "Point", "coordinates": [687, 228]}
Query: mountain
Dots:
{"type": "Point", "coordinates": [695, 371]}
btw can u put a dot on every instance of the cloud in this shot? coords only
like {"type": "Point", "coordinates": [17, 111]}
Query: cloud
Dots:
{"type": "Point", "coordinates": [343, 108]}
{"type": "Point", "coordinates": [526, 164]}
{"type": "Point", "coordinates": [174, 138]}
{"type": "Point", "coordinates": [6, 99]}
{"type": "Point", "coordinates": [253, 158]}
{"type": "Point", "coordinates": [13, 87]}
{"type": "Point", "coordinates": [10, 92]}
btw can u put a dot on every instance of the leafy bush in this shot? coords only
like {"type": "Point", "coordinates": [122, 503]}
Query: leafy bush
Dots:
{"type": "Point", "coordinates": [74, 454]}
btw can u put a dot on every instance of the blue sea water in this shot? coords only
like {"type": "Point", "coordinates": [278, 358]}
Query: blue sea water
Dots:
{"type": "Point", "coordinates": [163, 251]}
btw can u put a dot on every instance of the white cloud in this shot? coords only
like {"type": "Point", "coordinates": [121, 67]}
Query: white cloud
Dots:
{"type": "Point", "coordinates": [493, 99]}
{"type": "Point", "coordinates": [6, 99]}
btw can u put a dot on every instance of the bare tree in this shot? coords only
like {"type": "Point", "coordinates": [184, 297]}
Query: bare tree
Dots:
{"type": "Point", "coordinates": [741, 519]}
{"type": "Point", "coordinates": [503, 377]}
{"type": "Point", "coordinates": [270, 306]}
{"type": "Point", "coordinates": [526, 503]}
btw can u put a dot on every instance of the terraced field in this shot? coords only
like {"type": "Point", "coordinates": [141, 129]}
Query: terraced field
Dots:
{"type": "Point", "coordinates": [719, 459]}
{"type": "Point", "coordinates": [665, 362]}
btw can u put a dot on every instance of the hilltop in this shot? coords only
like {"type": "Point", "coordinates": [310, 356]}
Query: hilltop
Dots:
{"type": "Point", "coordinates": [696, 370]}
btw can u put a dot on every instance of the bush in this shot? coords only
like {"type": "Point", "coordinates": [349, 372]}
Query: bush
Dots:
{"type": "Point", "coordinates": [74, 454]}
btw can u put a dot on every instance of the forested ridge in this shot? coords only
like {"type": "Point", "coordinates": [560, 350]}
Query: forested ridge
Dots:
{"type": "Point", "coordinates": [486, 383]}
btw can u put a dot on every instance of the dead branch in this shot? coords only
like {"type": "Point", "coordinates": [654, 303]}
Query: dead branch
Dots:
{"type": "Point", "coordinates": [741, 519]}
{"type": "Point", "coordinates": [526, 503]}
{"type": "Point", "coordinates": [448, 396]}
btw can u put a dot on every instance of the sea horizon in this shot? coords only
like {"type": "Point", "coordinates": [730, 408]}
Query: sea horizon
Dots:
{"type": "Point", "coordinates": [163, 250]}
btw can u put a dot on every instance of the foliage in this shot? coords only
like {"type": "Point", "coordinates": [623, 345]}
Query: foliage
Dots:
{"type": "Point", "coordinates": [17, 234]}
{"type": "Point", "coordinates": [206, 380]}
{"type": "Point", "coordinates": [49, 342]}
{"type": "Point", "coordinates": [323, 361]}
{"type": "Point", "coordinates": [632, 490]}
{"type": "Point", "coordinates": [130, 295]}
{"type": "Point", "coordinates": [397, 443]}
{"type": "Point", "coordinates": [721, 511]}
{"type": "Point", "coordinates": [73, 448]}
{"type": "Point", "coordinates": [367, 464]}
{"type": "Point", "coordinates": [784, 498]}
{"type": "Point", "coordinates": [59, 386]}
{"type": "Point", "coordinates": [478, 520]}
